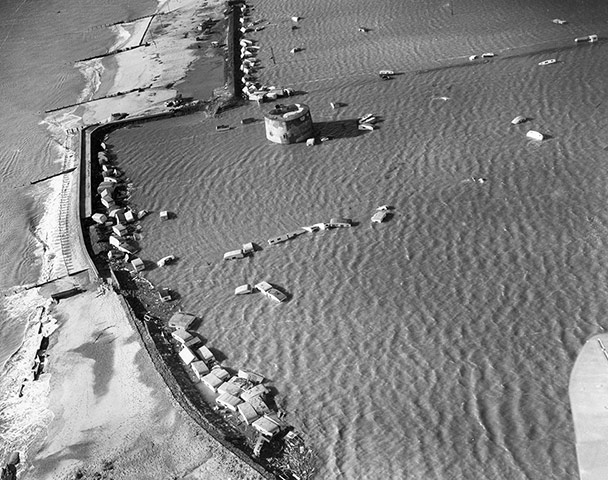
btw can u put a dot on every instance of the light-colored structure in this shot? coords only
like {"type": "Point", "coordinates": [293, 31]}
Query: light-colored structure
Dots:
{"type": "Point", "coordinates": [289, 123]}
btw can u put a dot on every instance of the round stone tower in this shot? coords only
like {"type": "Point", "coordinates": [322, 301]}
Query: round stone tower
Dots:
{"type": "Point", "coordinates": [289, 123]}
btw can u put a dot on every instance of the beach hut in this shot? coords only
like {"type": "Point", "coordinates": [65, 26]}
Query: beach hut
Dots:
{"type": "Point", "coordinates": [231, 388]}
{"type": "Point", "coordinates": [267, 426]}
{"type": "Point", "coordinates": [186, 355]}
{"type": "Point", "coordinates": [250, 376]}
{"type": "Point", "coordinates": [340, 222]}
{"type": "Point", "coordinates": [130, 216]}
{"type": "Point", "coordinates": [211, 381]}
{"type": "Point", "coordinates": [138, 264]}
{"type": "Point", "coordinates": [164, 295]}
{"type": "Point", "coordinates": [115, 241]}
{"type": "Point", "coordinates": [108, 202]}
{"type": "Point", "coordinates": [205, 354]}
{"type": "Point", "coordinates": [199, 368]}
{"type": "Point", "coordinates": [233, 255]}
{"type": "Point", "coordinates": [259, 405]}
{"type": "Point", "coordinates": [247, 412]}
{"type": "Point", "coordinates": [534, 135]}
{"type": "Point", "coordinates": [194, 342]}
{"type": "Point", "coordinates": [182, 336]}
{"type": "Point", "coordinates": [181, 320]}
{"type": "Point", "coordinates": [120, 230]}
{"type": "Point", "coordinates": [220, 373]}
{"type": "Point", "coordinates": [228, 401]}
{"type": "Point", "coordinates": [99, 218]}
{"type": "Point", "coordinates": [127, 247]}
{"type": "Point", "coordinates": [254, 392]}
{"type": "Point", "coordinates": [106, 185]}
{"type": "Point", "coordinates": [243, 289]}
{"type": "Point", "coordinates": [114, 211]}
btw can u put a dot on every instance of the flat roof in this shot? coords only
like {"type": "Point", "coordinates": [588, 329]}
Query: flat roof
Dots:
{"type": "Point", "coordinates": [287, 112]}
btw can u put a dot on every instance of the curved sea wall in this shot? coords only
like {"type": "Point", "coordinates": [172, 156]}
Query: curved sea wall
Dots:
{"type": "Point", "coordinates": [185, 395]}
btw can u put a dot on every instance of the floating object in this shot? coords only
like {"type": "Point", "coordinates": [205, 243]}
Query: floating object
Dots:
{"type": "Point", "coordinates": [222, 128]}
{"type": "Point", "coordinates": [243, 289]}
{"type": "Point", "coordinates": [166, 260]}
{"type": "Point", "coordinates": [519, 119]}
{"type": "Point", "coordinates": [233, 255]}
{"type": "Point", "coordinates": [488, 55]}
{"type": "Point", "coordinates": [366, 118]}
{"type": "Point", "coordinates": [550, 61]}
{"type": "Point", "coordinates": [340, 222]}
{"type": "Point", "coordinates": [586, 38]}
{"type": "Point", "coordinates": [333, 105]}
{"type": "Point", "coordinates": [271, 292]}
{"type": "Point", "coordinates": [295, 19]}
{"type": "Point", "coordinates": [295, 50]}
{"type": "Point", "coordinates": [379, 216]}
{"type": "Point", "coordinates": [534, 135]}
{"type": "Point", "coordinates": [323, 139]}
{"type": "Point", "coordinates": [363, 29]}
{"type": "Point", "coordinates": [559, 21]}
{"type": "Point", "coordinates": [366, 126]}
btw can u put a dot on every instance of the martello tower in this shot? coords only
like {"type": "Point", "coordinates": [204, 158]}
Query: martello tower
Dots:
{"type": "Point", "coordinates": [289, 123]}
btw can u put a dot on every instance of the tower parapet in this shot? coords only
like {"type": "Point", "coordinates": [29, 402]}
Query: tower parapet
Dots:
{"type": "Point", "coordinates": [289, 123]}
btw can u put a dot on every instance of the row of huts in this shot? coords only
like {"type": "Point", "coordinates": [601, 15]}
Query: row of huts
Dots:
{"type": "Point", "coordinates": [243, 393]}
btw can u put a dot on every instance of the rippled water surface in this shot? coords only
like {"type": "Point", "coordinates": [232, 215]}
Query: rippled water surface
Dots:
{"type": "Point", "coordinates": [437, 344]}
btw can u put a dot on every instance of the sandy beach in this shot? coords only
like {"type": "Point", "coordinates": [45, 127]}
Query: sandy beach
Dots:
{"type": "Point", "coordinates": [588, 392]}
{"type": "Point", "coordinates": [435, 345]}
{"type": "Point", "coordinates": [112, 412]}
{"type": "Point", "coordinates": [107, 411]}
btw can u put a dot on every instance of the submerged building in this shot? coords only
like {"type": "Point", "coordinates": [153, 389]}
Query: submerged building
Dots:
{"type": "Point", "coordinates": [289, 123]}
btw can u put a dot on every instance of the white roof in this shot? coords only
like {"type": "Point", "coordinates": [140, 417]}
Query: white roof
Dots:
{"type": "Point", "coordinates": [181, 335]}
{"type": "Point", "coordinates": [212, 381]}
{"type": "Point", "coordinates": [182, 320]}
{"type": "Point", "coordinates": [266, 426]}
{"type": "Point", "coordinates": [228, 401]}
{"type": "Point", "coordinates": [221, 374]}
{"type": "Point", "coordinates": [231, 388]}
{"type": "Point", "coordinates": [252, 392]}
{"type": "Point", "coordinates": [247, 412]}
{"type": "Point", "coordinates": [204, 353]}
{"type": "Point", "coordinates": [186, 355]}
{"type": "Point", "coordinates": [263, 286]}
{"type": "Point", "coordinates": [200, 368]}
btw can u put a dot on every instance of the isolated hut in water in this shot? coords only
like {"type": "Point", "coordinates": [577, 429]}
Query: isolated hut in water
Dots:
{"type": "Point", "coordinates": [289, 123]}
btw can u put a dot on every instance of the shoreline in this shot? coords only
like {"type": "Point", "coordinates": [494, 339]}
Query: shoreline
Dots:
{"type": "Point", "coordinates": [81, 189]}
